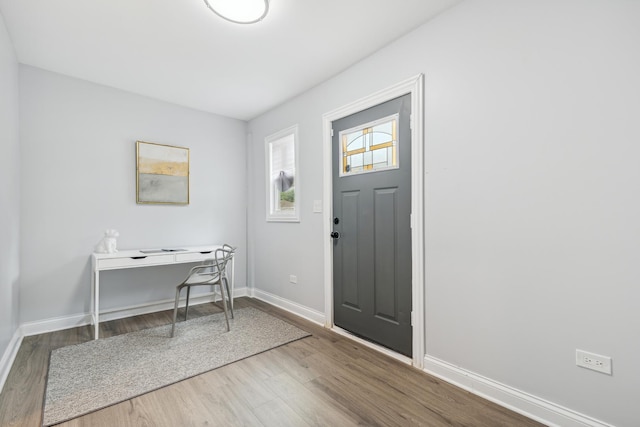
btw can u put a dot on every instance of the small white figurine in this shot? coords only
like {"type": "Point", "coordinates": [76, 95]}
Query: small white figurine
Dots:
{"type": "Point", "coordinates": [108, 243]}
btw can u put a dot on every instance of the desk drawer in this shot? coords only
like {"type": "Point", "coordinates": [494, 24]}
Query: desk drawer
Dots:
{"type": "Point", "coordinates": [194, 256]}
{"type": "Point", "coordinates": [135, 262]}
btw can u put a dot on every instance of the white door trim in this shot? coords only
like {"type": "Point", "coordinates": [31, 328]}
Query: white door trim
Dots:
{"type": "Point", "coordinates": [414, 86]}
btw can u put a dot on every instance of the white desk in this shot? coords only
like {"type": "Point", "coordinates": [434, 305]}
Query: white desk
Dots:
{"type": "Point", "coordinates": [137, 258]}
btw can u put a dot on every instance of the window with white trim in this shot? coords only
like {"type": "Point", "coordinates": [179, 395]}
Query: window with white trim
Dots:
{"type": "Point", "coordinates": [283, 186]}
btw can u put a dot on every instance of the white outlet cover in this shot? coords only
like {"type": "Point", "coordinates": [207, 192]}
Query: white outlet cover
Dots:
{"type": "Point", "coordinates": [317, 206]}
{"type": "Point", "coordinates": [596, 362]}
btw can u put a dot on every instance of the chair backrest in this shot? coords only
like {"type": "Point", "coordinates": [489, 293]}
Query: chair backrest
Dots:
{"type": "Point", "coordinates": [216, 264]}
{"type": "Point", "coordinates": [222, 256]}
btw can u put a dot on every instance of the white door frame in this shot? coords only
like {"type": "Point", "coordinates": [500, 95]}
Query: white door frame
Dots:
{"type": "Point", "coordinates": [414, 86]}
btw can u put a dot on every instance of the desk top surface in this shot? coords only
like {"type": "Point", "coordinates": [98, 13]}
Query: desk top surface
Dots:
{"type": "Point", "coordinates": [156, 251]}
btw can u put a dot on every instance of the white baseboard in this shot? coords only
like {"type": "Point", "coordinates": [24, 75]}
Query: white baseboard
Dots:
{"type": "Point", "coordinates": [135, 310]}
{"type": "Point", "coordinates": [6, 362]}
{"type": "Point", "coordinates": [290, 306]}
{"type": "Point", "coordinates": [518, 401]}
{"type": "Point", "coordinates": [54, 324]}
{"type": "Point", "coordinates": [66, 322]}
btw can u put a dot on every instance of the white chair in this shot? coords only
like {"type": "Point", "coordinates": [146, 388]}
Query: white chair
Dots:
{"type": "Point", "coordinates": [210, 273]}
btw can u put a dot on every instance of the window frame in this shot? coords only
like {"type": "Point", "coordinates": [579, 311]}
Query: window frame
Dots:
{"type": "Point", "coordinates": [271, 191]}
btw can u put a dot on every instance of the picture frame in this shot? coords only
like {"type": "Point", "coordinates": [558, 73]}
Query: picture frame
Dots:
{"type": "Point", "coordinates": [162, 174]}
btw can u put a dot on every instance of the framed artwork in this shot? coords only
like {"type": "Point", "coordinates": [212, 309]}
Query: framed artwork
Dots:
{"type": "Point", "coordinates": [162, 174]}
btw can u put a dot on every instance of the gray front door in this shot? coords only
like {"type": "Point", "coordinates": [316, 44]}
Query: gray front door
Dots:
{"type": "Point", "coordinates": [372, 231]}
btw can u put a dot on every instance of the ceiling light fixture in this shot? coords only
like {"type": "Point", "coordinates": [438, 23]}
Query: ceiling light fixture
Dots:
{"type": "Point", "coordinates": [239, 11]}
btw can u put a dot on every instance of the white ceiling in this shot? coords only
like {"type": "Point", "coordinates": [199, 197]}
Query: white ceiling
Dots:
{"type": "Point", "coordinates": [179, 51]}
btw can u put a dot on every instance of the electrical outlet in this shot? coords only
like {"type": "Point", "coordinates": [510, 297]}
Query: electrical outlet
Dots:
{"type": "Point", "coordinates": [293, 279]}
{"type": "Point", "coordinates": [594, 361]}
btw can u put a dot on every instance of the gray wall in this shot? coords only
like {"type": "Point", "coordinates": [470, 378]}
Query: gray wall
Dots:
{"type": "Point", "coordinates": [78, 179]}
{"type": "Point", "coordinates": [9, 191]}
{"type": "Point", "coordinates": [532, 183]}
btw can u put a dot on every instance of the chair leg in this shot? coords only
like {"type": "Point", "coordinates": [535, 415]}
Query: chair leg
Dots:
{"type": "Point", "coordinates": [224, 305]}
{"type": "Point", "coordinates": [226, 284]}
{"type": "Point", "coordinates": [175, 311]}
{"type": "Point", "coordinates": [186, 306]}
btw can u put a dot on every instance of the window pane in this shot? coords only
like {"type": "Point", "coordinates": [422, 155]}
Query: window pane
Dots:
{"type": "Point", "coordinates": [281, 176]}
{"type": "Point", "coordinates": [371, 147]}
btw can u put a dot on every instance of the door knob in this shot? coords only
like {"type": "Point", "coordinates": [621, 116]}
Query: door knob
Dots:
{"type": "Point", "coordinates": [335, 235]}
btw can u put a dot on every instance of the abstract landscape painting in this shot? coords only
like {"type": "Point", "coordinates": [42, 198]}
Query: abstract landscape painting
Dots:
{"type": "Point", "coordinates": [162, 174]}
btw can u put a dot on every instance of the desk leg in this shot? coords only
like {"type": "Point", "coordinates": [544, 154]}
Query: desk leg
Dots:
{"type": "Point", "coordinates": [96, 304]}
{"type": "Point", "coordinates": [92, 306]}
{"type": "Point", "coordinates": [233, 281]}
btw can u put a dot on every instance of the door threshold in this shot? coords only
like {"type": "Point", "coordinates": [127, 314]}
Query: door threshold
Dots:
{"type": "Point", "coordinates": [377, 347]}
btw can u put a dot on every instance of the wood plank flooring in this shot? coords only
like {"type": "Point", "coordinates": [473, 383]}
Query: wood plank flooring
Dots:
{"type": "Point", "coordinates": [323, 380]}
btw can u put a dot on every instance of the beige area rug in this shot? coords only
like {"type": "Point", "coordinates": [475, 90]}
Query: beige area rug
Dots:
{"type": "Point", "coordinates": [90, 376]}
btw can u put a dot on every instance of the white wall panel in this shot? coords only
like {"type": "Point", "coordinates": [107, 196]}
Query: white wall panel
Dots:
{"type": "Point", "coordinates": [9, 193]}
{"type": "Point", "coordinates": [532, 183]}
{"type": "Point", "coordinates": [79, 178]}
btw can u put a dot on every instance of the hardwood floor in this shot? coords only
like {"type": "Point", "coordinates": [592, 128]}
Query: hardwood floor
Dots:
{"type": "Point", "coordinates": [323, 380]}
